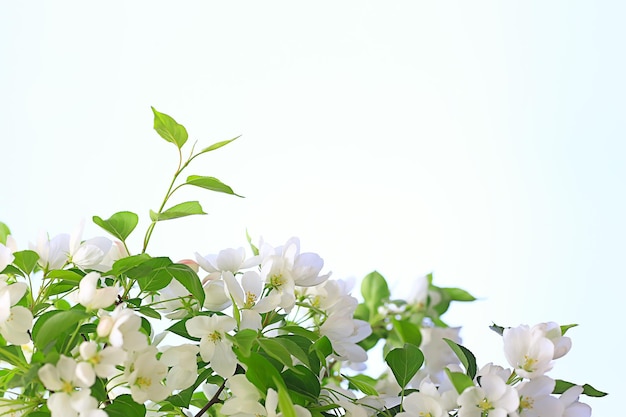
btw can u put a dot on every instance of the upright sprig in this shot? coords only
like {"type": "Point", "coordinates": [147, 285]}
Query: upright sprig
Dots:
{"type": "Point", "coordinates": [176, 133]}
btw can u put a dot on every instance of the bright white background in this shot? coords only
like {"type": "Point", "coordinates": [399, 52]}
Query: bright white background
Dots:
{"type": "Point", "coordinates": [483, 141]}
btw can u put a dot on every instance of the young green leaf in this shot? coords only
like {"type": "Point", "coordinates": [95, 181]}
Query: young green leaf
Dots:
{"type": "Point", "coordinates": [363, 383]}
{"type": "Point", "coordinates": [285, 404]}
{"type": "Point", "coordinates": [26, 260]}
{"type": "Point", "coordinates": [189, 279]}
{"type": "Point", "coordinates": [169, 129]}
{"type": "Point", "coordinates": [187, 208]}
{"type": "Point", "coordinates": [562, 386]}
{"type": "Point", "coordinates": [50, 325]}
{"type": "Point", "coordinates": [4, 232]}
{"type": "Point", "coordinates": [404, 363]}
{"type": "Point", "coordinates": [217, 145]}
{"type": "Point", "coordinates": [120, 224]}
{"type": "Point", "coordinates": [152, 275]}
{"type": "Point", "coordinates": [375, 291]}
{"type": "Point", "coordinates": [566, 327]}
{"type": "Point", "coordinates": [124, 406]}
{"type": "Point", "coordinates": [459, 380]}
{"type": "Point", "coordinates": [276, 350]}
{"type": "Point", "coordinates": [210, 183]}
{"type": "Point", "coordinates": [407, 331]}
{"type": "Point", "coordinates": [457, 294]}
{"type": "Point", "coordinates": [466, 357]}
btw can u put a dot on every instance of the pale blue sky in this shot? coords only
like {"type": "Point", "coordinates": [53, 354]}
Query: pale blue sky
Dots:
{"type": "Point", "coordinates": [483, 141]}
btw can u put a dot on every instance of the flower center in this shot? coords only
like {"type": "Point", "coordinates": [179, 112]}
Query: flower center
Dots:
{"type": "Point", "coordinates": [215, 337]}
{"type": "Point", "coordinates": [423, 414]}
{"type": "Point", "coordinates": [67, 387]}
{"type": "Point", "coordinates": [529, 364]}
{"type": "Point", "coordinates": [485, 405]}
{"type": "Point", "coordinates": [277, 280]}
{"type": "Point", "coordinates": [143, 382]}
{"type": "Point", "coordinates": [526, 402]}
{"type": "Point", "coordinates": [250, 300]}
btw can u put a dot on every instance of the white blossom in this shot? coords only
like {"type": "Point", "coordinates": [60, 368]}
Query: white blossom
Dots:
{"type": "Point", "coordinates": [92, 297]}
{"type": "Point", "coordinates": [529, 352]}
{"type": "Point", "coordinates": [493, 398]}
{"type": "Point", "coordinates": [215, 348]}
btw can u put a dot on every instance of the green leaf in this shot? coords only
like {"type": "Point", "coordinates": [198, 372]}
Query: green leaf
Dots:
{"type": "Point", "coordinates": [66, 275]}
{"type": "Point", "coordinates": [152, 275]}
{"type": "Point", "coordinates": [284, 403]}
{"type": "Point", "coordinates": [457, 294]}
{"type": "Point", "coordinates": [408, 332]}
{"type": "Point", "coordinates": [245, 339]}
{"type": "Point", "coordinates": [497, 329]}
{"type": "Point", "coordinates": [217, 145]}
{"type": "Point", "coordinates": [26, 260]}
{"type": "Point", "coordinates": [404, 363]}
{"type": "Point", "coordinates": [120, 224]}
{"type": "Point", "coordinates": [14, 355]}
{"type": "Point", "coordinates": [169, 129]}
{"type": "Point", "coordinates": [4, 232]}
{"type": "Point", "coordinates": [210, 183]}
{"type": "Point", "coordinates": [50, 325]}
{"type": "Point", "coordinates": [276, 350]}
{"type": "Point", "coordinates": [466, 357]}
{"type": "Point", "coordinates": [149, 312]}
{"type": "Point", "coordinates": [302, 381]}
{"type": "Point", "coordinates": [291, 343]}
{"type": "Point", "coordinates": [261, 372]}
{"type": "Point", "coordinates": [562, 386]}
{"type": "Point", "coordinates": [124, 406]}
{"type": "Point", "coordinates": [363, 383]}
{"type": "Point", "coordinates": [459, 380]}
{"type": "Point", "coordinates": [121, 266]}
{"type": "Point", "coordinates": [375, 291]}
{"type": "Point", "coordinates": [187, 208]}
{"type": "Point", "coordinates": [189, 279]}
{"type": "Point", "coordinates": [300, 331]}
{"type": "Point", "coordinates": [566, 327]}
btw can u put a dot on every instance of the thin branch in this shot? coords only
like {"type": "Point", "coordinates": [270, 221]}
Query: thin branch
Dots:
{"type": "Point", "coordinates": [213, 400]}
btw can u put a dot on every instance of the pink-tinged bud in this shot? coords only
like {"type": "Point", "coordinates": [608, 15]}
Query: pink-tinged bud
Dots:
{"type": "Point", "coordinates": [191, 264]}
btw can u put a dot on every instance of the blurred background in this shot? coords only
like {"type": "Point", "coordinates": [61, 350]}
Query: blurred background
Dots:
{"type": "Point", "coordinates": [482, 141]}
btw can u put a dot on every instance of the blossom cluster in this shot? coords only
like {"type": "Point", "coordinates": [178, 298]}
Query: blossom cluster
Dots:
{"type": "Point", "coordinates": [89, 328]}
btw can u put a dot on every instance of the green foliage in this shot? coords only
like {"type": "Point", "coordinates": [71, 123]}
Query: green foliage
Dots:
{"type": "Point", "coordinates": [4, 233]}
{"type": "Point", "coordinates": [404, 363]}
{"type": "Point", "coordinates": [188, 208]}
{"type": "Point", "coordinates": [120, 224]}
{"type": "Point", "coordinates": [466, 357]}
{"type": "Point", "coordinates": [169, 129]}
{"type": "Point", "coordinates": [125, 406]}
{"type": "Point", "coordinates": [210, 183]}
{"type": "Point", "coordinates": [562, 386]}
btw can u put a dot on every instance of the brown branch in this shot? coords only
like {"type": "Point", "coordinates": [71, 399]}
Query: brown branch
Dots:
{"type": "Point", "coordinates": [212, 401]}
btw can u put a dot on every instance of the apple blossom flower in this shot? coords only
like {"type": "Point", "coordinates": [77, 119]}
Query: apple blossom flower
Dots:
{"type": "Point", "coordinates": [215, 348]}
{"type": "Point", "coordinates": [122, 329]}
{"type": "Point", "coordinates": [492, 398]}
{"type": "Point", "coordinates": [90, 253]}
{"type": "Point", "coordinates": [183, 365]}
{"type": "Point", "coordinates": [245, 398]}
{"type": "Point", "coordinates": [145, 375]}
{"type": "Point", "coordinates": [66, 400]}
{"type": "Point", "coordinates": [15, 321]}
{"type": "Point", "coordinates": [216, 297]}
{"type": "Point", "coordinates": [344, 332]}
{"type": "Point", "coordinates": [98, 362]}
{"type": "Point", "coordinates": [437, 353]}
{"type": "Point", "coordinates": [535, 398]}
{"type": "Point", "coordinates": [418, 404]}
{"type": "Point", "coordinates": [230, 259]}
{"type": "Point", "coordinates": [302, 268]}
{"type": "Point", "coordinates": [573, 407]}
{"type": "Point", "coordinates": [93, 298]}
{"type": "Point", "coordinates": [248, 297]}
{"type": "Point", "coordinates": [6, 255]}
{"type": "Point", "coordinates": [552, 331]}
{"type": "Point", "coordinates": [529, 352]}
{"type": "Point", "coordinates": [52, 252]}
